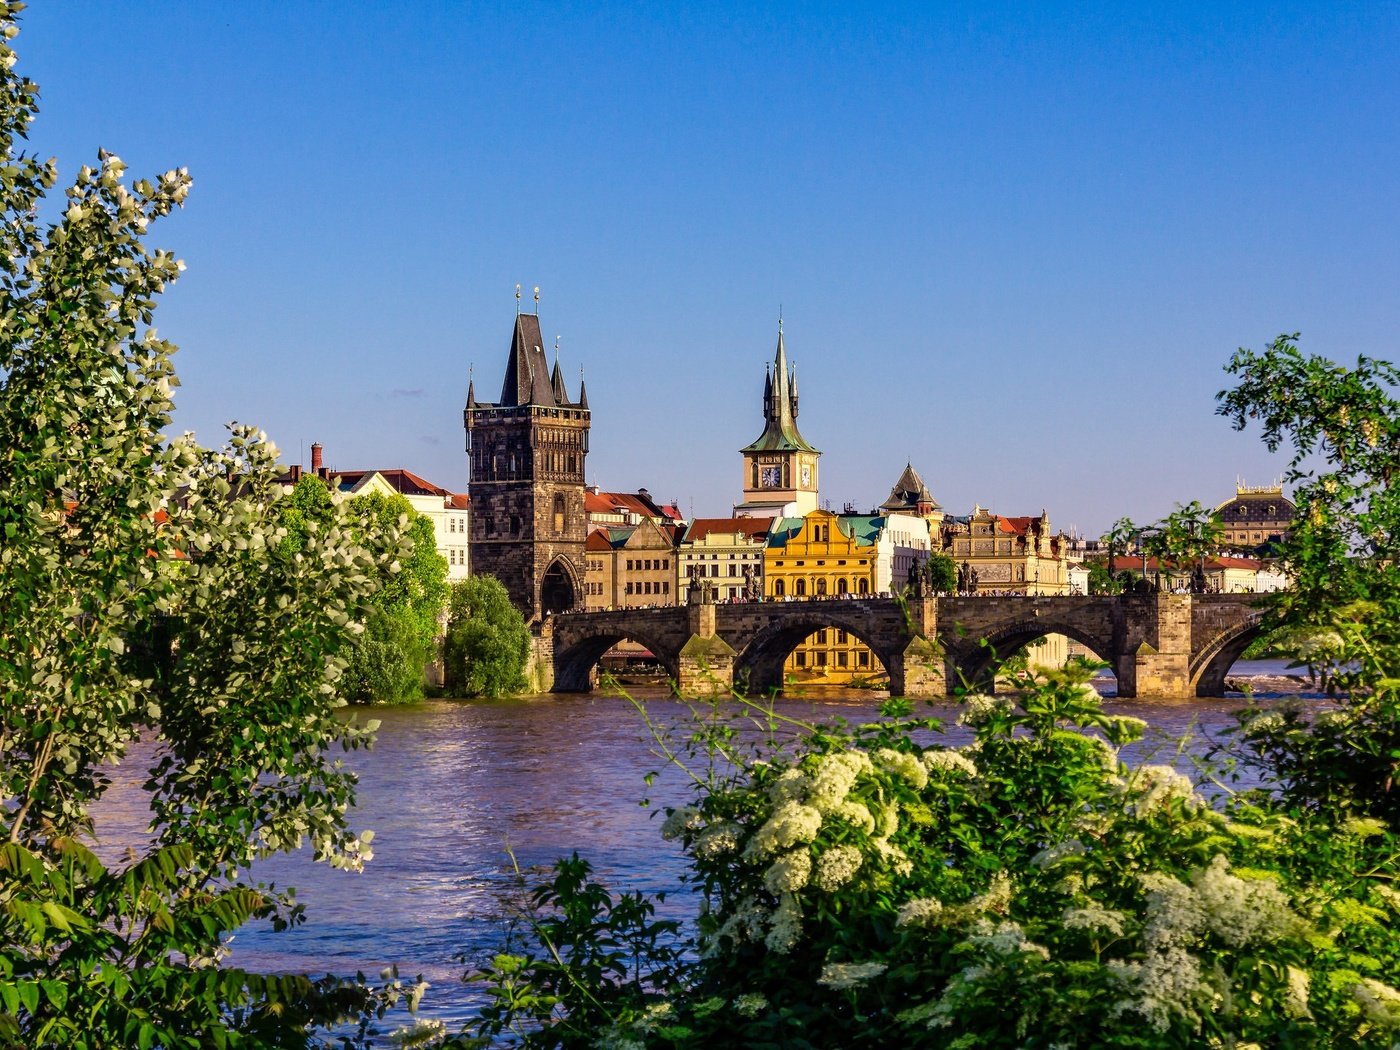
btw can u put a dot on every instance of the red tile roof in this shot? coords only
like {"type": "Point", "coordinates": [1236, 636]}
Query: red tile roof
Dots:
{"type": "Point", "coordinates": [756, 529]}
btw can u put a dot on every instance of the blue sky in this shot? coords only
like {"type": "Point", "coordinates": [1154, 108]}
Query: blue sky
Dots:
{"type": "Point", "coordinates": [1013, 244]}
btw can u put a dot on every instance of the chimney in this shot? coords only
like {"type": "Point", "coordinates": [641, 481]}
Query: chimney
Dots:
{"type": "Point", "coordinates": [315, 457]}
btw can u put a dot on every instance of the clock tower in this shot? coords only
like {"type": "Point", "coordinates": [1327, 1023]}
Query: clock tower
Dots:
{"type": "Point", "coordinates": [780, 468]}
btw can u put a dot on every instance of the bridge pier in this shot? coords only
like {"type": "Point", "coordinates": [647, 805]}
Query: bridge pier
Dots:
{"type": "Point", "coordinates": [919, 669]}
{"type": "Point", "coordinates": [706, 663]}
{"type": "Point", "coordinates": [1160, 665]}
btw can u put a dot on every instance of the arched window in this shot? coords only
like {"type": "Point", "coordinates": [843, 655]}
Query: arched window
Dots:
{"type": "Point", "coordinates": [799, 588]}
{"type": "Point", "coordinates": [821, 587]}
{"type": "Point", "coordinates": [864, 586]}
{"type": "Point", "coordinates": [778, 589]}
{"type": "Point", "coordinates": [841, 586]}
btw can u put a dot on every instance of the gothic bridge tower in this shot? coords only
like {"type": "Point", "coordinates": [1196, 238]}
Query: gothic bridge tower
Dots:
{"type": "Point", "coordinates": [525, 455]}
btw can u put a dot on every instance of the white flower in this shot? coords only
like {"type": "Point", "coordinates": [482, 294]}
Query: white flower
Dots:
{"type": "Point", "coordinates": [1379, 1002]}
{"type": "Point", "coordinates": [1157, 787]}
{"type": "Point", "coordinates": [790, 824]}
{"type": "Point", "coordinates": [1364, 827]}
{"type": "Point", "coordinates": [1269, 722]}
{"type": "Point", "coordinates": [1295, 999]}
{"type": "Point", "coordinates": [786, 925]}
{"type": "Point", "coordinates": [949, 760]}
{"type": "Point", "coordinates": [921, 911]}
{"type": "Point", "coordinates": [1005, 938]}
{"type": "Point", "coordinates": [791, 785]}
{"type": "Point", "coordinates": [839, 976]}
{"type": "Point", "coordinates": [893, 857]}
{"type": "Point", "coordinates": [856, 814]}
{"type": "Point", "coordinates": [789, 873]}
{"type": "Point", "coordinates": [837, 866]}
{"type": "Point", "coordinates": [1094, 919]}
{"type": "Point", "coordinates": [717, 840]}
{"type": "Point", "coordinates": [835, 775]}
{"type": "Point", "coordinates": [750, 1005]}
{"type": "Point", "coordinates": [679, 821]}
{"type": "Point", "coordinates": [980, 707]}
{"type": "Point", "coordinates": [904, 765]}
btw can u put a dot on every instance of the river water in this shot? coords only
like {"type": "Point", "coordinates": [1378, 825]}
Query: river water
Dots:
{"type": "Point", "coordinates": [455, 789]}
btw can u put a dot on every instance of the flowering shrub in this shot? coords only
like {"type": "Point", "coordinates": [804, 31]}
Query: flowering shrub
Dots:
{"type": "Point", "coordinates": [873, 887]}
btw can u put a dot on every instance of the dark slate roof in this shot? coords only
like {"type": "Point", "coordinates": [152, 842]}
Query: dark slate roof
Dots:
{"type": "Point", "coordinates": [779, 410]}
{"type": "Point", "coordinates": [908, 492]}
{"type": "Point", "coordinates": [527, 371]}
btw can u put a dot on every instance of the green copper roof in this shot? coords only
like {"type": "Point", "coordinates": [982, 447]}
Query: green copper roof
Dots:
{"type": "Point", "coordinates": [780, 410]}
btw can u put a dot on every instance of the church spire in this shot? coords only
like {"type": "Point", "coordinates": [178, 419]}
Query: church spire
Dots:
{"type": "Point", "coordinates": [779, 406]}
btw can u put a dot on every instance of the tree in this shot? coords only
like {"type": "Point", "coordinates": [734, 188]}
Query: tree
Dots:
{"type": "Point", "coordinates": [1118, 538]}
{"type": "Point", "coordinates": [386, 662]}
{"type": "Point", "coordinates": [1182, 540]}
{"type": "Point", "coordinates": [142, 594]}
{"type": "Point", "coordinates": [942, 573]}
{"type": "Point", "coordinates": [1341, 616]}
{"type": "Point", "coordinates": [487, 642]}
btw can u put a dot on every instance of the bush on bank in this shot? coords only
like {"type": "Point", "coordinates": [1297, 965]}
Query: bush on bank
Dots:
{"type": "Point", "coordinates": [1026, 890]}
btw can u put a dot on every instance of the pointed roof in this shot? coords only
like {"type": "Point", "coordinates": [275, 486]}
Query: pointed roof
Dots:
{"type": "Point", "coordinates": [909, 492]}
{"type": "Point", "coordinates": [780, 432]}
{"type": "Point", "coordinates": [556, 382]}
{"type": "Point", "coordinates": [527, 371]}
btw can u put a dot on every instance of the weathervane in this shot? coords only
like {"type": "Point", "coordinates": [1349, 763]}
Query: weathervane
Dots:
{"type": "Point", "coordinates": [517, 299]}
{"type": "Point", "coordinates": [537, 300]}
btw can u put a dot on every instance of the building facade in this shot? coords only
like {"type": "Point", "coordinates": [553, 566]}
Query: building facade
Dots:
{"type": "Point", "coordinates": [726, 552]}
{"type": "Point", "coordinates": [448, 511]}
{"type": "Point", "coordinates": [1000, 555]}
{"type": "Point", "coordinates": [526, 454]}
{"type": "Point", "coordinates": [1255, 517]}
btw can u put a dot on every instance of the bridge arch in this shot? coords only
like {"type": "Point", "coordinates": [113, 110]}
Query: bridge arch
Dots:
{"type": "Point", "coordinates": [972, 662]}
{"type": "Point", "coordinates": [574, 663]}
{"type": "Point", "coordinates": [759, 665]}
{"type": "Point", "coordinates": [1212, 662]}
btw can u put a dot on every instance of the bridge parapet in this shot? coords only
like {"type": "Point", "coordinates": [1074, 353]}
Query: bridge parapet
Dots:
{"type": "Point", "coordinates": [1161, 645]}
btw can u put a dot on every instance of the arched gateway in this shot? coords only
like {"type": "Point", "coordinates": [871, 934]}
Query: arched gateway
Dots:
{"type": "Point", "coordinates": [1165, 645]}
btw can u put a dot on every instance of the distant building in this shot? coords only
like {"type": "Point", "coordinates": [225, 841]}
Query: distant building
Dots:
{"type": "Point", "coordinates": [780, 467]}
{"type": "Point", "coordinates": [1223, 574]}
{"type": "Point", "coordinates": [448, 511]}
{"type": "Point", "coordinates": [1009, 555]}
{"type": "Point", "coordinates": [727, 552]}
{"type": "Point", "coordinates": [1257, 516]}
{"type": "Point", "coordinates": [631, 566]}
{"type": "Point", "coordinates": [840, 556]}
{"type": "Point", "coordinates": [526, 456]}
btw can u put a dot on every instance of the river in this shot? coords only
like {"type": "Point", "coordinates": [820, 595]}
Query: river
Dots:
{"type": "Point", "coordinates": [453, 789]}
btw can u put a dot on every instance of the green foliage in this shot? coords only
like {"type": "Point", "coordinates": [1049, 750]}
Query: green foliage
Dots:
{"type": "Point", "coordinates": [1117, 541]}
{"type": "Point", "coordinates": [1341, 617]}
{"type": "Point", "coordinates": [384, 664]}
{"type": "Point", "coordinates": [941, 570]}
{"type": "Point", "coordinates": [1184, 537]}
{"type": "Point", "coordinates": [144, 593]}
{"type": "Point", "coordinates": [868, 888]}
{"type": "Point", "coordinates": [487, 641]}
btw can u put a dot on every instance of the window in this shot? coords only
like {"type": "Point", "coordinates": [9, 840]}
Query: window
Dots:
{"type": "Point", "coordinates": [862, 659]}
{"type": "Point", "coordinates": [558, 514]}
{"type": "Point", "coordinates": [841, 637]}
{"type": "Point", "coordinates": [821, 586]}
{"type": "Point", "coordinates": [799, 589]}
{"type": "Point", "coordinates": [778, 589]}
{"type": "Point", "coordinates": [821, 659]}
{"type": "Point", "coordinates": [864, 587]}
{"type": "Point", "coordinates": [841, 658]}
{"type": "Point", "coordinates": [821, 637]}
{"type": "Point", "coordinates": [841, 586]}
{"type": "Point", "coordinates": [800, 658]}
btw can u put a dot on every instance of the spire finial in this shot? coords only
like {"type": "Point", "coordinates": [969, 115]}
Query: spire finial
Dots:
{"type": "Point", "coordinates": [537, 300]}
{"type": "Point", "coordinates": [780, 318]}
{"type": "Point", "coordinates": [556, 351]}
{"type": "Point", "coordinates": [517, 300]}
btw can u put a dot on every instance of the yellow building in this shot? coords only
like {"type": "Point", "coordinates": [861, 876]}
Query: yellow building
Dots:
{"type": "Point", "coordinates": [839, 557]}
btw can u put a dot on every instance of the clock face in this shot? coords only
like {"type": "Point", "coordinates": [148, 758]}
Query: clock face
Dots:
{"type": "Point", "coordinates": [770, 477]}
{"type": "Point", "coordinates": [806, 475]}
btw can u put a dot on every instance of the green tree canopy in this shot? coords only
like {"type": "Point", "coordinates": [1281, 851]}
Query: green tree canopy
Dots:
{"type": "Point", "coordinates": [142, 595]}
{"type": "Point", "coordinates": [487, 641]}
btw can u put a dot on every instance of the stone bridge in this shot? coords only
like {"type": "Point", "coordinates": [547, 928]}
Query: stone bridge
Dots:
{"type": "Point", "coordinates": [1163, 645]}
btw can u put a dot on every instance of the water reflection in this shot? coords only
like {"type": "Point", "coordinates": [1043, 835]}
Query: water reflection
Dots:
{"type": "Point", "coordinates": [453, 789]}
